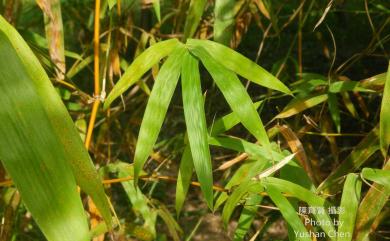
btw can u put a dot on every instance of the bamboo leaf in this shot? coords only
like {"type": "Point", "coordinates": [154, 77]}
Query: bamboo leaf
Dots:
{"type": "Point", "coordinates": [379, 176]}
{"type": "Point", "coordinates": [194, 15]}
{"type": "Point", "coordinates": [157, 107]}
{"type": "Point", "coordinates": [196, 125]}
{"type": "Point", "coordinates": [157, 10]}
{"type": "Point", "coordinates": [138, 200]}
{"type": "Point", "coordinates": [298, 105]}
{"type": "Point", "coordinates": [224, 19]}
{"type": "Point", "coordinates": [342, 86]}
{"type": "Point", "coordinates": [349, 204]}
{"type": "Point", "coordinates": [247, 216]}
{"type": "Point", "coordinates": [359, 155]}
{"type": "Point", "coordinates": [183, 178]}
{"type": "Point", "coordinates": [140, 66]}
{"type": "Point", "coordinates": [370, 207]}
{"type": "Point", "coordinates": [31, 118]}
{"type": "Point", "coordinates": [307, 196]}
{"type": "Point", "coordinates": [239, 64]}
{"type": "Point", "coordinates": [334, 110]}
{"type": "Point", "coordinates": [384, 126]}
{"type": "Point", "coordinates": [227, 122]}
{"type": "Point", "coordinates": [236, 96]}
{"type": "Point", "coordinates": [288, 212]}
{"type": "Point", "coordinates": [249, 187]}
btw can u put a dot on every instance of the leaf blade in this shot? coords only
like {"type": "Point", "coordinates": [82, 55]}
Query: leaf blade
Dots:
{"type": "Point", "coordinates": [196, 125]}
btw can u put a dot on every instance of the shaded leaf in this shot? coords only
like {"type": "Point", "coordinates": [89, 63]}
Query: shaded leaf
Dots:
{"type": "Point", "coordinates": [334, 110]}
{"type": "Point", "coordinates": [224, 20]}
{"type": "Point", "coordinates": [194, 15]}
{"type": "Point", "coordinates": [384, 126]}
{"type": "Point", "coordinates": [183, 178]}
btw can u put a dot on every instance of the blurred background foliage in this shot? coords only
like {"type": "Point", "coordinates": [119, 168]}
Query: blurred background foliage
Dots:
{"type": "Point", "coordinates": [309, 45]}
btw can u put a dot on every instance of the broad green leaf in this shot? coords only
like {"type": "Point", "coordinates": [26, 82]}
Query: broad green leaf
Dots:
{"type": "Point", "coordinates": [334, 110]}
{"type": "Point", "coordinates": [307, 196]}
{"type": "Point", "coordinates": [349, 205]}
{"type": "Point", "coordinates": [31, 148]}
{"type": "Point", "coordinates": [298, 105]}
{"type": "Point", "coordinates": [342, 86]}
{"type": "Point", "coordinates": [157, 107]}
{"type": "Point", "coordinates": [384, 126]}
{"type": "Point", "coordinates": [183, 178]}
{"type": "Point", "coordinates": [288, 212]}
{"type": "Point", "coordinates": [359, 155]}
{"type": "Point", "coordinates": [138, 201]}
{"type": "Point", "coordinates": [247, 216]}
{"type": "Point", "coordinates": [369, 209]}
{"type": "Point", "coordinates": [239, 64]}
{"type": "Point", "coordinates": [194, 15]}
{"type": "Point", "coordinates": [140, 66]}
{"type": "Point", "coordinates": [236, 96]}
{"type": "Point", "coordinates": [195, 119]}
{"type": "Point", "coordinates": [379, 176]}
{"type": "Point", "coordinates": [249, 187]}
{"type": "Point", "coordinates": [224, 20]}
{"type": "Point", "coordinates": [227, 122]}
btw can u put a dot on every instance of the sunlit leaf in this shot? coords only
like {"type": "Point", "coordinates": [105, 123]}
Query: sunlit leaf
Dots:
{"type": "Point", "coordinates": [195, 119]}
{"type": "Point", "coordinates": [298, 105]}
{"type": "Point", "coordinates": [349, 205]}
{"type": "Point", "coordinates": [140, 66]}
{"type": "Point", "coordinates": [157, 107]}
{"type": "Point", "coordinates": [236, 96]}
{"type": "Point", "coordinates": [239, 64]}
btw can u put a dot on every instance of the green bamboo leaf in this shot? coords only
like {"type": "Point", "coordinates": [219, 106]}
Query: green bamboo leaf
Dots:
{"type": "Point", "coordinates": [138, 200]}
{"type": "Point", "coordinates": [334, 110]}
{"type": "Point", "coordinates": [183, 178]}
{"type": "Point", "coordinates": [349, 204]}
{"type": "Point", "coordinates": [236, 96]}
{"type": "Point", "coordinates": [342, 86]}
{"type": "Point", "coordinates": [369, 209]}
{"type": "Point", "coordinates": [157, 107]}
{"type": "Point", "coordinates": [35, 127]}
{"type": "Point", "coordinates": [111, 3]}
{"type": "Point", "coordinates": [247, 216]}
{"type": "Point", "coordinates": [384, 126]}
{"type": "Point", "coordinates": [227, 122]}
{"type": "Point", "coordinates": [196, 125]}
{"type": "Point", "coordinates": [375, 82]}
{"type": "Point", "coordinates": [298, 105]}
{"type": "Point", "coordinates": [288, 212]}
{"type": "Point", "coordinates": [140, 66]}
{"type": "Point", "coordinates": [249, 187]}
{"type": "Point", "coordinates": [194, 15]}
{"type": "Point", "coordinates": [224, 20]}
{"type": "Point", "coordinates": [239, 64]}
{"type": "Point", "coordinates": [83, 169]}
{"type": "Point", "coordinates": [379, 176]}
{"type": "Point", "coordinates": [157, 10]}
{"type": "Point", "coordinates": [359, 155]}
{"type": "Point", "coordinates": [307, 196]}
